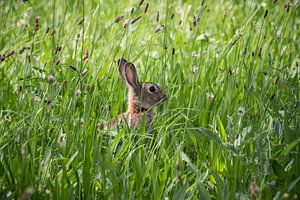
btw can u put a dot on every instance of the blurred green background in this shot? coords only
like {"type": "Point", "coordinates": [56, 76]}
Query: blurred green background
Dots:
{"type": "Point", "coordinates": [229, 130]}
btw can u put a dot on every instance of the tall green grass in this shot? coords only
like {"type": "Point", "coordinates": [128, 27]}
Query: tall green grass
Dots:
{"type": "Point", "coordinates": [229, 130]}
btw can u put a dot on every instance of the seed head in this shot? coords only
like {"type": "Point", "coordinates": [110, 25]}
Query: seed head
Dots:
{"type": "Point", "coordinates": [195, 69]}
{"type": "Point", "coordinates": [210, 95]}
{"type": "Point", "coordinates": [146, 8]}
{"type": "Point", "coordinates": [141, 2]}
{"type": "Point", "coordinates": [84, 72]}
{"type": "Point", "coordinates": [30, 9]}
{"type": "Point", "coordinates": [276, 79]}
{"type": "Point", "coordinates": [81, 21]}
{"type": "Point", "coordinates": [172, 16]}
{"type": "Point", "coordinates": [80, 120]}
{"type": "Point", "coordinates": [241, 110]}
{"type": "Point", "coordinates": [118, 19]}
{"type": "Point", "coordinates": [287, 7]}
{"type": "Point", "coordinates": [259, 52]}
{"type": "Point", "coordinates": [63, 84]}
{"type": "Point", "coordinates": [23, 49]}
{"type": "Point", "coordinates": [88, 88]}
{"type": "Point", "coordinates": [53, 33]}
{"type": "Point", "coordinates": [7, 118]}
{"type": "Point", "coordinates": [61, 139]}
{"type": "Point", "coordinates": [126, 23]}
{"type": "Point", "coordinates": [272, 96]}
{"type": "Point", "coordinates": [78, 92]}
{"type": "Point", "coordinates": [158, 28]}
{"type": "Point", "coordinates": [9, 53]}
{"type": "Point", "coordinates": [24, 150]}
{"type": "Point", "coordinates": [73, 68]}
{"type": "Point", "coordinates": [173, 51]}
{"type": "Point", "coordinates": [135, 20]}
{"type": "Point", "coordinates": [266, 13]}
{"type": "Point", "coordinates": [180, 22]}
{"type": "Point", "coordinates": [51, 78]}
{"type": "Point", "coordinates": [86, 54]}
{"type": "Point", "coordinates": [234, 42]}
{"type": "Point", "coordinates": [195, 20]}
{"type": "Point", "coordinates": [36, 23]}
{"type": "Point", "coordinates": [78, 37]}
{"type": "Point", "coordinates": [239, 33]}
{"type": "Point", "coordinates": [46, 101]}
{"type": "Point", "coordinates": [57, 49]}
{"type": "Point", "coordinates": [226, 14]}
{"type": "Point", "coordinates": [101, 125]}
{"type": "Point", "coordinates": [36, 98]}
{"type": "Point", "coordinates": [29, 132]}
{"type": "Point", "coordinates": [132, 11]}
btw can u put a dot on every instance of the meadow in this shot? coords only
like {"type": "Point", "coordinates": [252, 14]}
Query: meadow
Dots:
{"type": "Point", "coordinates": [229, 129]}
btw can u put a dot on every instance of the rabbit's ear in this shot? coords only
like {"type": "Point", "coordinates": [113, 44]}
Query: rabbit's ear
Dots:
{"type": "Point", "coordinates": [128, 73]}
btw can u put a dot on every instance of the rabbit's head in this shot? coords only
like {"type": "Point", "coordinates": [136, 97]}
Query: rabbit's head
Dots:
{"type": "Point", "coordinates": [147, 94]}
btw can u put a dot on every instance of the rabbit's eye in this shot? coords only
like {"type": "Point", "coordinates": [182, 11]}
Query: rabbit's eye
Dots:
{"type": "Point", "coordinates": [152, 89]}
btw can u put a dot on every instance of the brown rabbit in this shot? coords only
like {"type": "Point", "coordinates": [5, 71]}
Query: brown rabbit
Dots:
{"type": "Point", "coordinates": [141, 97]}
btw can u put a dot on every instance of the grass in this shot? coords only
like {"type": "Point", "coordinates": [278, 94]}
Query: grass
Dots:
{"type": "Point", "coordinates": [229, 130]}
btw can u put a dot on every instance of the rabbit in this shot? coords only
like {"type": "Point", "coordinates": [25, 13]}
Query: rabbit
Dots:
{"type": "Point", "coordinates": [141, 97]}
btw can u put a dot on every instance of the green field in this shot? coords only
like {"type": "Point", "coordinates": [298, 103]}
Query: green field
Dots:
{"type": "Point", "coordinates": [230, 128]}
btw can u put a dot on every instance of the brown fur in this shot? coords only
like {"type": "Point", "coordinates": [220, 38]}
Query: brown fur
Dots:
{"type": "Point", "coordinates": [141, 97]}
